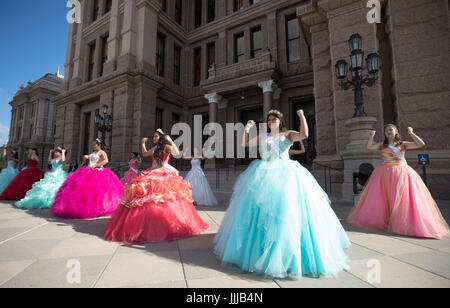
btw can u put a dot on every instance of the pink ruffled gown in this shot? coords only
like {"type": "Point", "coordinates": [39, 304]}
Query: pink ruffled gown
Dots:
{"type": "Point", "coordinates": [396, 200]}
{"type": "Point", "coordinates": [157, 206]}
{"type": "Point", "coordinates": [132, 173]}
{"type": "Point", "coordinates": [88, 193]}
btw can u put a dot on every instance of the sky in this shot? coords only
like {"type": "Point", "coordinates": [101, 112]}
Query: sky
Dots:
{"type": "Point", "coordinates": [33, 42]}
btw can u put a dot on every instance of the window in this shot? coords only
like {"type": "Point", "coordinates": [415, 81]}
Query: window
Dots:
{"type": "Point", "coordinates": [175, 118]}
{"type": "Point", "coordinates": [238, 4]}
{"type": "Point", "coordinates": [160, 51]}
{"type": "Point", "coordinates": [163, 5]}
{"type": "Point", "coordinates": [31, 131]}
{"type": "Point", "coordinates": [104, 53]}
{"type": "Point", "coordinates": [198, 13]}
{"type": "Point", "coordinates": [197, 66]}
{"type": "Point", "coordinates": [239, 48]}
{"type": "Point", "coordinates": [91, 61]}
{"type": "Point", "coordinates": [159, 118]}
{"type": "Point", "coordinates": [108, 5]}
{"type": "Point", "coordinates": [176, 65]}
{"type": "Point", "coordinates": [293, 39]}
{"type": "Point", "coordinates": [211, 56]}
{"type": "Point", "coordinates": [33, 110]}
{"type": "Point", "coordinates": [178, 11]}
{"type": "Point", "coordinates": [96, 10]}
{"type": "Point", "coordinates": [254, 1]}
{"type": "Point", "coordinates": [256, 42]}
{"type": "Point", "coordinates": [211, 10]}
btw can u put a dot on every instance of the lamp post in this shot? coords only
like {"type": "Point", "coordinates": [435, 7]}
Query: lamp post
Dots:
{"type": "Point", "coordinates": [104, 123]}
{"type": "Point", "coordinates": [356, 70]}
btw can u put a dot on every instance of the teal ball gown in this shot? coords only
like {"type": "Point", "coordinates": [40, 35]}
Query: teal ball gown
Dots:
{"type": "Point", "coordinates": [43, 193]}
{"type": "Point", "coordinates": [279, 222]}
{"type": "Point", "coordinates": [7, 175]}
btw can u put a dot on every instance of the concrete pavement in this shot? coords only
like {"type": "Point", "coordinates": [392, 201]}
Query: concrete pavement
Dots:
{"type": "Point", "coordinates": [39, 250]}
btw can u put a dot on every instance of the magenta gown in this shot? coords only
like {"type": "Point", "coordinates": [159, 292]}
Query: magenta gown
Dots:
{"type": "Point", "coordinates": [88, 193]}
{"type": "Point", "coordinates": [396, 200]}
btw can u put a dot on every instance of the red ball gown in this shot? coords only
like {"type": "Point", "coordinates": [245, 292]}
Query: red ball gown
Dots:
{"type": "Point", "coordinates": [23, 182]}
{"type": "Point", "coordinates": [157, 206]}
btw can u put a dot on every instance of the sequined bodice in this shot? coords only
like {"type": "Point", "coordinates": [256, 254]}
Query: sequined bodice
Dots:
{"type": "Point", "coordinates": [133, 164]}
{"type": "Point", "coordinates": [275, 147]}
{"type": "Point", "coordinates": [94, 158]}
{"type": "Point", "coordinates": [195, 162]}
{"type": "Point", "coordinates": [57, 164]}
{"type": "Point", "coordinates": [393, 156]}
{"type": "Point", "coordinates": [31, 163]}
{"type": "Point", "coordinates": [11, 164]}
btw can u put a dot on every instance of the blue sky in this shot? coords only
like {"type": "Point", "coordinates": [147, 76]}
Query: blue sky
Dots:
{"type": "Point", "coordinates": [33, 42]}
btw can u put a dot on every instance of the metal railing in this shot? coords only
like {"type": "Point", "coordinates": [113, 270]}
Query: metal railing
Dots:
{"type": "Point", "coordinates": [327, 180]}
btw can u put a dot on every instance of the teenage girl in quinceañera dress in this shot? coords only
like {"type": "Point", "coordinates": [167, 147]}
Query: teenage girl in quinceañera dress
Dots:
{"type": "Point", "coordinates": [279, 222]}
{"type": "Point", "coordinates": [133, 172]}
{"type": "Point", "coordinates": [201, 191]}
{"type": "Point", "coordinates": [395, 198]}
{"type": "Point", "coordinates": [24, 181]}
{"type": "Point", "coordinates": [10, 172]}
{"type": "Point", "coordinates": [43, 193]}
{"type": "Point", "coordinates": [157, 205]}
{"type": "Point", "coordinates": [89, 192]}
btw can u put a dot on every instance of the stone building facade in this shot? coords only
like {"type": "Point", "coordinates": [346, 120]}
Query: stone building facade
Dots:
{"type": "Point", "coordinates": [156, 63]}
{"type": "Point", "coordinates": [33, 118]}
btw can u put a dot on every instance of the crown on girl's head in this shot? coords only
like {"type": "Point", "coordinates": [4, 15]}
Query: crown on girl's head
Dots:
{"type": "Point", "coordinates": [276, 113]}
{"type": "Point", "coordinates": [159, 130]}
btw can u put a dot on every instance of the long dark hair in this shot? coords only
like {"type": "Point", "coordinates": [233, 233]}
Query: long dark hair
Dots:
{"type": "Point", "coordinates": [158, 155]}
{"type": "Point", "coordinates": [397, 139]}
{"type": "Point", "coordinates": [279, 116]}
{"type": "Point", "coordinates": [35, 151]}
{"type": "Point", "coordinates": [15, 154]}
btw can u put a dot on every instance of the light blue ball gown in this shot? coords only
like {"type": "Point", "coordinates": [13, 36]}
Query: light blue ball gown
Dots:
{"type": "Point", "coordinates": [279, 222]}
{"type": "Point", "coordinates": [43, 193]}
{"type": "Point", "coordinates": [7, 175]}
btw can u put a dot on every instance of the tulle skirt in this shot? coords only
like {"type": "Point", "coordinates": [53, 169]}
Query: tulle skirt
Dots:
{"type": "Point", "coordinates": [88, 193]}
{"type": "Point", "coordinates": [128, 176]}
{"type": "Point", "coordinates": [6, 176]}
{"type": "Point", "coordinates": [396, 200]}
{"type": "Point", "coordinates": [201, 191]}
{"type": "Point", "coordinates": [156, 207]}
{"type": "Point", "coordinates": [280, 223]}
{"type": "Point", "coordinates": [21, 184]}
{"type": "Point", "coordinates": [43, 193]}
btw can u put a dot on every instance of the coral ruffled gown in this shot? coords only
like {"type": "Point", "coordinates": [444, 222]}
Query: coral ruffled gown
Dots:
{"type": "Point", "coordinates": [132, 173]}
{"type": "Point", "coordinates": [88, 192]}
{"type": "Point", "coordinates": [23, 182]}
{"type": "Point", "coordinates": [279, 222]}
{"type": "Point", "coordinates": [157, 206]}
{"type": "Point", "coordinates": [396, 200]}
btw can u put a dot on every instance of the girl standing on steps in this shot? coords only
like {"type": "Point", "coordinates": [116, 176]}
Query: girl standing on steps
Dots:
{"type": "Point", "coordinates": [201, 191]}
{"type": "Point", "coordinates": [157, 206]}
{"type": "Point", "coordinates": [279, 222]}
{"type": "Point", "coordinates": [91, 191]}
{"type": "Point", "coordinates": [395, 198]}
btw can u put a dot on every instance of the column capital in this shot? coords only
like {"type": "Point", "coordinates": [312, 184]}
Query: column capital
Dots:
{"type": "Point", "coordinates": [267, 86]}
{"type": "Point", "coordinates": [213, 98]}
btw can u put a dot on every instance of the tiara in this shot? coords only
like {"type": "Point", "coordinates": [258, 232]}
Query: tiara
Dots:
{"type": "Point", "coordinates": [159, 130]}
{"type": "Point", "coordinates": [275, 112]}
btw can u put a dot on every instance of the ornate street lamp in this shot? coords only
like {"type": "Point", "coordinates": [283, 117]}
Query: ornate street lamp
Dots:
{"type": "Point", "coordinates": [104, 124]}
{"type": "Point", "coordinates": [356, 72]}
